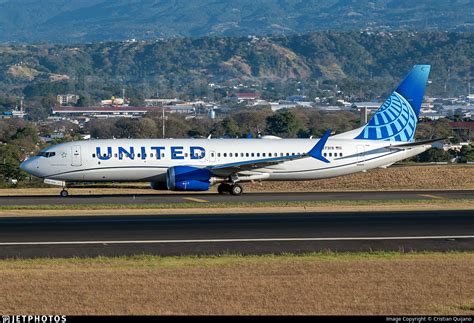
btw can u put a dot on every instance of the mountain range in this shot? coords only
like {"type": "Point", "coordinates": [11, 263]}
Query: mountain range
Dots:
{"type": "Point", "coordinates": [74, 21]}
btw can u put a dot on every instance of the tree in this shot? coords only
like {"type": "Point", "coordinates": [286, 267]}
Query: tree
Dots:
{"type": "Point", "coordinates": [466, 154]}
{"type": "Point", "coordinates": [433, 155]}
{"type": "Point", "coordinates": [284, 123]}
{"type": "Point", "coordinates": [84, 101]}
{"type": "Point", "coordinates": [230, 127]}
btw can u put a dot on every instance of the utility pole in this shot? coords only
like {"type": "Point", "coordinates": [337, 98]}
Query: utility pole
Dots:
{"type": "Point", "coordinates": [163, 117]}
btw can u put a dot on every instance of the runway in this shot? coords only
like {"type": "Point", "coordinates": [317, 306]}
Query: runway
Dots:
{"type": "Point", "coordinates": [246, 197]}
{"type": "Point", "coordinates": [236, 234]}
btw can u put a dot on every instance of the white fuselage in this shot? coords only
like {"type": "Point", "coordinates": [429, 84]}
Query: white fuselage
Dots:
{"type": "Point", "coordinates": [149, 159]}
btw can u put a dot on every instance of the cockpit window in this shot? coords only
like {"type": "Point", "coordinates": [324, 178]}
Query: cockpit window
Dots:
{"type": "Point", "coordinates": [46, 154]}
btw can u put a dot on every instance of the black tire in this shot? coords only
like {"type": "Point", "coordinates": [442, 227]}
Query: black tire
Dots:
{"type": "Point", "coordinates": [223, 188]}
{"type": "Point", "coordinates": [64, 193]}
{"type": "Point", "coordinates": [236, 189]}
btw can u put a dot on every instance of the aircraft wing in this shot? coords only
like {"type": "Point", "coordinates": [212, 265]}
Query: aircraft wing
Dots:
{"type": "Point", "coordinates": [232, 168]}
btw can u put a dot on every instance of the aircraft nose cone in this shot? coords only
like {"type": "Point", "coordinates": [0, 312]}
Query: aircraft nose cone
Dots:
{"type": "Point", "coordinates": [29, 166]}
{"type": "Point", "coordinates": [24, 165]}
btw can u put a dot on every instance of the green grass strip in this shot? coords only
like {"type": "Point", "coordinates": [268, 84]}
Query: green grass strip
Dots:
{"type": "Point", "coordinates": [232, 204]}
{"type": "Point", "coordinates": [228, 259]}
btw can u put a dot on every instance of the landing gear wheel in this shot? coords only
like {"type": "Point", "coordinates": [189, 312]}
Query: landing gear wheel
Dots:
{"type": "Point", "coordinates": [64, 193]}
{"type": "Point", "coordinates": [223, 188]}
{"type": "Point", "coordinates": [236, 189]}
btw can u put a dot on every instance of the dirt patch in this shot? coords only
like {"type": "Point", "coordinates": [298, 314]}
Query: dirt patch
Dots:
{"type": "Point", "coordinates": [401, 284]}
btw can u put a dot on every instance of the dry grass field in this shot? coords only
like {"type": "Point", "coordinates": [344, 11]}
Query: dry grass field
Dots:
{"type": "Point", "coordinates": [433, 177]}
{"type": "Point", "coordinates": [388, 283]}
{"type": "Point", "coordinates": [439, 177]}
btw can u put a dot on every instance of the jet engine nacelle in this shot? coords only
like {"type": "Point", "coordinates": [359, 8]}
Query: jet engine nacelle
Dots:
{"type": "Point", "coordinates": [186, 178]}
{"type": "Point", "coordinates": [159, 185]}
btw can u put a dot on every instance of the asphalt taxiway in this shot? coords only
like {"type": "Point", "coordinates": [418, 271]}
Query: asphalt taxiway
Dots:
{"type": "Point", "coordinates": [246, 197]}
{"type": "Point", "coordinates": [242, 234]}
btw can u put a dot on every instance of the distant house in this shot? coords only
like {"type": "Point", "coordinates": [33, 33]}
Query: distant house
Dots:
{"type": "Point", "coordinates": [65, 99]}
{"type": "Point", "coordinates": [463, 127]}
{"type": "Point", "coordinates": [244, 96]}
{"type": "Point", "coordinates": [296, 98]}
{"type": "Point", "coordinates": [159, 102]}
{"type": "Point", "coordinates": [13, 114]}
{"type": "Point", "coordinates": [180, 108]}
{"type": "Point", "coordinates": [114, 101]}
{"type": "Point", "coordinates": [101, 112]}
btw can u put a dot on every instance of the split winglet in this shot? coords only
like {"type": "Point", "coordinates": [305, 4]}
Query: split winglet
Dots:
{"type": "Point", "coordinates": [317, 151]}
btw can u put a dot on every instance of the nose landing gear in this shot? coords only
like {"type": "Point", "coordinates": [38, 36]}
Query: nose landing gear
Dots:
{"type": "Point", "coordinates": [234, 189]}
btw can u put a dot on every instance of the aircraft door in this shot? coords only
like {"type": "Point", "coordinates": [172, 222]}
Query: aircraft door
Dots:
{"type": "Point", "coordinates": [360, 155]}
{"type": "Point", "coordinates": [76, 156]}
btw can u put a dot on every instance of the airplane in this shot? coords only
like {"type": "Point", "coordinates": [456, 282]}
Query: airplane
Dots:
{"type": "Point", "coordinates": [197, 164]}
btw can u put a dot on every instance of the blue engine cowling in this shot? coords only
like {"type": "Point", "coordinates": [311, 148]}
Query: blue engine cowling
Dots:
{"type": "Point", "coordinates": [186, 178]}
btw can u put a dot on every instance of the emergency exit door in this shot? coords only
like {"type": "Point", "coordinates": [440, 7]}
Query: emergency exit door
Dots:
{"type": "Point", "coordinates": [76, 156]}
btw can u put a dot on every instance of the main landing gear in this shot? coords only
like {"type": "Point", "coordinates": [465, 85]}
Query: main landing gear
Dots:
{"type": "Point", "coordinates": [234, 189]}
{"type": "Point", "coordinates": [64, 193]}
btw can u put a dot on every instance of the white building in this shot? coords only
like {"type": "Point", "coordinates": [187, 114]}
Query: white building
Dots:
{"type": "Point", "coordinates": [64, 99]}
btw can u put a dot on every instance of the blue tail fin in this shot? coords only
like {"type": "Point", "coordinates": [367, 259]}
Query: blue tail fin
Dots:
{"type": "Point", "coordinates": [396, 119]}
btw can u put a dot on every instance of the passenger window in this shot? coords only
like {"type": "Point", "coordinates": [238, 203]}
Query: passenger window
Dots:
{"type": "Point", "coordinates": [151, 155]}
{"type": "Point", "coordinates": [246, 154]}
{"type": "Point", "coordinates": [162, 155]}
{"type": "Point", "coordinates": [241, 154]}
{"type": "Point", "coordinates": [325, 154]}
{"type": "Point", "coordinates": [230, 154]}
{"type": "Point", "coordinates": [340, 154]}
{"type": "Point", "coordinates": [253, 155]}
{"type": "Point", "coordinates": [138, 155]}
{"type": "Point", "coordinates": [115, 155]}
{"type": "Point", "coordinates": [186, 155]}
{"type": "Point", "coordinates": [288, 154]}
{"type": "Point", "coordinates": [93, 155]}
{"type": "Point", "coordinates": [218, 154]}
{"type": "Point", "coordinates": [258, 154]}
{"type": "Point", "coordinates": [264, 155]}
{"type": "Point", "coordinates": [225, 154]}
{"type": "Point", "coordinates": [330, 154]}
{"type": "Point", "coordinates": [212, 154]}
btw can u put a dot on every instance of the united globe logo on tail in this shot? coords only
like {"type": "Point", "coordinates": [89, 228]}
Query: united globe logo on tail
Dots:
{"type": "Point", "coordinates": [394, 121]}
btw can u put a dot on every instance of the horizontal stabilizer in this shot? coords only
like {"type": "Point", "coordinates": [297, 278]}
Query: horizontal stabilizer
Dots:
{"type": "Point", "coordinates": [418, 143]}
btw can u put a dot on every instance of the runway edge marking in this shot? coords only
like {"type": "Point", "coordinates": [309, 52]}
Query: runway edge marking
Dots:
{"type": "Point", "coordinates": [432, 196]}
{"type": "Point", "coordinates": [195, 199]}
